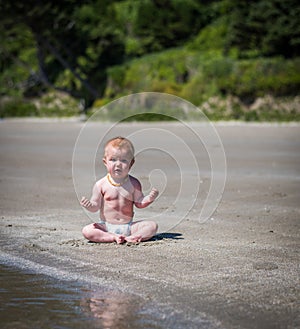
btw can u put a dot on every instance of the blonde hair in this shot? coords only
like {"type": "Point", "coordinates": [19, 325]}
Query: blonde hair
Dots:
{"type": "Point", "coordinates": [120, 143]}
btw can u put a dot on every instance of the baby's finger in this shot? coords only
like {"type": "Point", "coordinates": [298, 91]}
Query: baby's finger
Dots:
{"type": "Point", "coordinates": [155, 191]}
{"type": "Point", "coordinates": [84, 202]}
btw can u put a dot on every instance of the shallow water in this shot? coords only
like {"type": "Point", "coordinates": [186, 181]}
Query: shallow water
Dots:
{"type": "Point", "coordinates": [31, 300]}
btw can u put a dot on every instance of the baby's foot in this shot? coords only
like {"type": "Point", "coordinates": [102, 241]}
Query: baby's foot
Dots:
{"type": "Point", "coordinates": [133, 238]}
{"type": "Point", "coordinates": [120, 239]}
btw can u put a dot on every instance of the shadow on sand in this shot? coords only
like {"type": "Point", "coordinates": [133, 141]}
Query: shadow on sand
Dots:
{"type": "Point", "coordinates": [169, 236]}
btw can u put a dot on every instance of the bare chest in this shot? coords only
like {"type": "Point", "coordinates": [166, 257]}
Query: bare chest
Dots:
{"type": "Point", "coordinates": [118, 194]}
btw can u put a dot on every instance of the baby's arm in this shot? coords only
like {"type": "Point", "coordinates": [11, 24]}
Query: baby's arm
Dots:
{"type": "Point", "coordinates": [141, 201]}
{"type": "Point", "coordinates": [94, 203]}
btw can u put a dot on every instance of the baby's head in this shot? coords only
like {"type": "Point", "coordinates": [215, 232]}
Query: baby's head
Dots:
{"type": "Point", "coordinates": [120, 143]}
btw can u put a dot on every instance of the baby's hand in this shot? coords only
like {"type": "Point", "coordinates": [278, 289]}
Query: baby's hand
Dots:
{"type": "Point", "coordinates": [153, 194]}
{"type": "Point", "coordinates": [86, 203]}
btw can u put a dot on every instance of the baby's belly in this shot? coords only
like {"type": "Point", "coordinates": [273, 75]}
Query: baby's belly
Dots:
{"type": "Point", "coordinates": [114, 216]}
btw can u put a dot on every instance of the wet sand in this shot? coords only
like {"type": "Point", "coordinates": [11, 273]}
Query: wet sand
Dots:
{"type": "Point", "coordinates": [238, 269]}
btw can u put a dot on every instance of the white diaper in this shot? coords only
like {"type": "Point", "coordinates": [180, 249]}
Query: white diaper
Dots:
{"type": "Point", "coordinates": [122, 229]}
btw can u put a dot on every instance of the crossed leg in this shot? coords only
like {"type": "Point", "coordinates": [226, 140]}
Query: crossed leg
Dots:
{"type": "Point", "coordinates": [98, 233]}
{"type": "Point", "coordinates": [140, 231]}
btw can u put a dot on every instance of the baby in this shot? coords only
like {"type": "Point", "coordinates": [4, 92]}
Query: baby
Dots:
{"type": "Point", "coordinates": [115, 195]}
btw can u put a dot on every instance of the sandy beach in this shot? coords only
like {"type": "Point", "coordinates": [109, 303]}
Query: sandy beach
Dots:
{"type": "Point", "coordinates": [239, 268]}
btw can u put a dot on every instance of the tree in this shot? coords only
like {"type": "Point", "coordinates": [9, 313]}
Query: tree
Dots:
{"type": "Point", "coordinates": [267, 27]}
{"type": "Point", "coordinates": [154, 25]}
{"type": "Point", "coordinates": [74, 43]}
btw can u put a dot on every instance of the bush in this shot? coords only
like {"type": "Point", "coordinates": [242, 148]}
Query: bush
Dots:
{"type": "Point", "coordinates": [213, 36]}
{"type": "Point", "coordinates": [17, 107]}
{"type": "Point", "coordinates": [198, 76]}
{"type": "Point", "coordinates": [266, 108]}
{"type": "Point", "coordinates": [58, 104]}
{"type": "Point", "coordinates": [246, 79]}
{"type": "Point", "coordinates": [52, 104]}
{"type": "Point", "coordinates": [249, 79]}
{"type": "Point", "coordinates": [162, 72]}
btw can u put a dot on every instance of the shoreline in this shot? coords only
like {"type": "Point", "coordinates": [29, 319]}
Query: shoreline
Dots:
{"type": "Point", "coordinates": [239, 269]}
{"type": "Point", "coordinates": [143, 310]}
{"type": "Point", "coordinates": [220, 123]}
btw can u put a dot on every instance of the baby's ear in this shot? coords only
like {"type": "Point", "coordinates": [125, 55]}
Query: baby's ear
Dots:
{"type": "Point", "coordinates": [104, 160]}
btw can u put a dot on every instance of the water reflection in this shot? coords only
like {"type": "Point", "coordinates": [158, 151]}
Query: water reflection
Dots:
{"type": "Point", "coordinates": [113, 310]}
{"type": "Point", "coordinates": [29, 300]}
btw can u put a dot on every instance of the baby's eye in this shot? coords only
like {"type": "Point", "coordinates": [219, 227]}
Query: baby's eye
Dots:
{"type": "Point", "coordinates": [124, 161]}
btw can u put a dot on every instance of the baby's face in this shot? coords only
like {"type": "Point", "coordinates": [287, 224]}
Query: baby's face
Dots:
{"type": "Point", "coordinates": [118, 162]}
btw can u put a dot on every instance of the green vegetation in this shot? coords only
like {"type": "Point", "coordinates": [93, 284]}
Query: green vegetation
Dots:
{"type": "Point", "coordinates": [233, 59]}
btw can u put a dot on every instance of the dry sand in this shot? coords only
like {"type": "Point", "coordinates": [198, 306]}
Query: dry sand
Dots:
{"type": "Point", "coordinates": [239, 269]}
